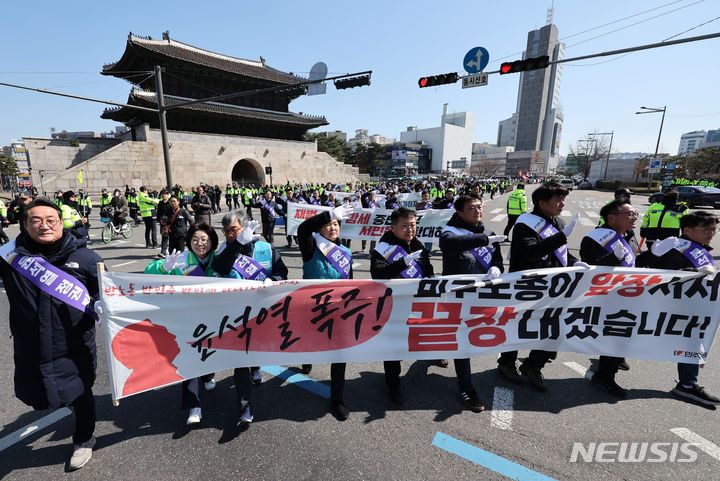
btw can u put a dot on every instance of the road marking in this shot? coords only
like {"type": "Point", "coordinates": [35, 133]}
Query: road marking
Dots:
{"type": "Point", "coordinates": [38, 425]}
{"type": "Point", "coordinates": [586, 373]}
{"type": "Point", "coordinates": [356, 265]}
{"type": "Point", "coordinates": [708, 447]}
{"type": "Point", "coordinates": [498, 218]}
{"type": "Point", "coordinates": [591, 214]}
{"type": "Point", "coordinates": [121, 242]}
{"type": "Point", "coordinates": [566, 213]}
{"type": "Point", "coordinates": [487, 459]}
{"type": "Point", "coordinates": [502, 408]}
{"type": "Point", "coordinates": [496, 211]}
{"type": "Point", "coordinates": [299, 380]}
{"type": "Point", "coordinates": [140, 245]}
{"type": "Point", "coordinates": [586, 222]}
{"type": "Point", "coordinates": [123, 264]}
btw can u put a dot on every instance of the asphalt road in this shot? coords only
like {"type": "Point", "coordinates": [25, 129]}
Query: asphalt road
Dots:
{"type": "Point", "coordinates": [523, 433]}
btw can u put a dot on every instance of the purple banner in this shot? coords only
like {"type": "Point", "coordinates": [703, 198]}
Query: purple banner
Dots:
{"type": "Point", "coordinates": [250, 269]}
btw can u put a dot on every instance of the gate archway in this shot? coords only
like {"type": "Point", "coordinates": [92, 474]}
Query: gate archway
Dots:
{"type": "Point", "coordinates": [246, 171]}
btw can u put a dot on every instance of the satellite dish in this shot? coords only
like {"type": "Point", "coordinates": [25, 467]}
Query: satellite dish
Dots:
{"type": "Point", "coordinates": [318, 72]}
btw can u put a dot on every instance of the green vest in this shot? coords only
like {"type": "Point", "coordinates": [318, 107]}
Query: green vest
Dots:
{"type": "Point", "coordinates": [104, 200]}
{"type": "Point", "coordinates": [3, 209]}
{"type": "Point", "coordinates": [671, 219]}
{"type": "Point", "coordinates": [517, 202]}
{"type": "Point", "coordinates": [132, 200]}
{"type": "Point", "coordinates": [69, 216]}
{"type": "Point", "coordinates": [146, 204]}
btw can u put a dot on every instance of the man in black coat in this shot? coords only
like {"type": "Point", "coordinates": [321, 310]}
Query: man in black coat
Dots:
{"type": "Point", "coordinates": [269, 211]}
{"type": "Point", "coordinates": [53, 334]}
{"type": "Point", "coordinates": [539, 240]}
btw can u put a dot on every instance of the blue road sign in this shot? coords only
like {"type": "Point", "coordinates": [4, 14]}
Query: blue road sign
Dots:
{"type": "Point", "coordinates": [476, 60]}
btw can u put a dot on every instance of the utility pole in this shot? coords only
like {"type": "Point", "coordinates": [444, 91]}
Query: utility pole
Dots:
{"type": "Point", "coordinates": [163, 126]}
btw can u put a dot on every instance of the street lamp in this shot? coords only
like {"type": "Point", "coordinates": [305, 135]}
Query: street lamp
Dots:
{"type": "Point", "coordinates": [611, 134]}
{"type": "Point", "coordinates": [652, 110]}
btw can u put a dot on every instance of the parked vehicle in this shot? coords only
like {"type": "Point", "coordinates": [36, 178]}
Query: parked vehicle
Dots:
{"type": "Point", "coordinates": [693, 196]}
{"type": "Point", "coordinates": [585, 185]}
{"type": "Point", "coordinates": [567, 183]}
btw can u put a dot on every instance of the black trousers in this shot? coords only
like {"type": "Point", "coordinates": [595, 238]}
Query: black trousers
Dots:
{"type": "Point", "coordinates": [248, 209]}
{"type": "Point", "coordinates": [608, 366]}
{"type": "Point", "coordinates": [150, 231]}
{"type": "Point", "coordinates": [512, 218]}
{"type": "Point", "coordinates": [228, 201]}
{"type": "Point", "coordinates": [3, 236]}
{"type": "Point", "coordinates": [243, 388]}
{"type": "Point", "coordinates": [337, 381]}
{"type": "Point", "coordinates": [267, 231]}
{"type": "Point", "coordinates": [191, 391]}
{"type": "Point", "coordinates": [176, 244]}
{"type": "Point", "coordinates": [462, 371]}
{"type": "Point", "coordinates": [236, 204]}
{"type": "Point", "coordinates": [84, 409]}
{"type": "Point", "coordinates": [536, 358]}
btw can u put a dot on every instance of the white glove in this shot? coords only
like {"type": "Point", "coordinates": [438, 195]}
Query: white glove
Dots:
{"type": "Point", "coordinates": [569, 228]}
{"type": "Point", "coordinates": [493, 273]}
{"type": "Point", "coordinates": [256, 237]}
{"type": "Point", "coordinates": [582, 264]}
{"type": "Point", "coordinates": [247, 233]}
{"type": "Point", "coordinates": [98, 307]}
{"type": "Point", "coordinates": [706, 270]}
{"type": "Point", "coordinates": [268, 281]}
{"type": "Point", "coordinates": [619, 251]}
{"type": "Point", "coordinates": [496, 238]}
{"type": "Point", "coordinates": [413, 256]}
{"type": "Point", "coordinates": [662, 247]}
{"type": "Point", "coordinates": [172, 261]}
{"type": "Point", "coordinates": [340, 213]}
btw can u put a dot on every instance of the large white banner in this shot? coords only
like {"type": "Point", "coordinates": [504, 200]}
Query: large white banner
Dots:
{"type": "Point", "coordinates": [369, 224]}
{"type": "Point", "coordinates": [163, 329]}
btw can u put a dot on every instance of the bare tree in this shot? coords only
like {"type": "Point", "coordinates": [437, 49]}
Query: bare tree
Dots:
{"type": "Point", "coordinates": [588, 150]}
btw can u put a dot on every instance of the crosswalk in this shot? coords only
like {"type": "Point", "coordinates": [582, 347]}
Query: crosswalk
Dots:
{"type": "Point", "coordinates": [588, 218]}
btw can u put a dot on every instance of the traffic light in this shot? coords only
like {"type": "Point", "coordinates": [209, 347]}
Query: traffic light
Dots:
{"type": "Point", "coordinates": [348, 83]}
{"type": "Point", "coordinates": [268, 170]}
{"type": "Point", "coordinates": [533, 63]}
{"type": "Point", "coordinates": [292, 90]}
{"type": "Point", "coordinates": [433, 80]}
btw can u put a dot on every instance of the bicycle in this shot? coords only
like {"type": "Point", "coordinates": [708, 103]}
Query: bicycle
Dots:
{"type": "Point", "coordinates": [110, 230]}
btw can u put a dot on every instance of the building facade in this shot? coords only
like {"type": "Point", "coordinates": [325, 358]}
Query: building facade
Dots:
{"type": "Point", "coordinates": [489, 160]}
{"type": "Point", "coordinates": [691, 141]}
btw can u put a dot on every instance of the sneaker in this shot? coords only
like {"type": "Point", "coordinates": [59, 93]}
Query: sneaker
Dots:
{"type": "Point", "coordinates": [195, 416]}
{"type": "Point", "coordinates": [246, 416]}
{"type": "Point", "coordinates": [609, 385]}
{"type": "Point", "coordinates": [472, 401]}
{"type": "Point", "coordinates": [535, 376]}
{"type": "Point", "coordinates": [696, 393]}
{"type": "Point", "coordinates": [306, 368]}
{"type": "Point", "coordinates": [161, 256]}
{"type": "Point", "coordinates": [256, 377]}
{"type": "Point", "coordinates": [340, 410]}
{"type": "Point", "coordinates": [396, 395]}
{"type": "Point", "coordinates": [442, 363]}
{"type": "Point", "coordinates": [510, 372]}
{"type": "Point", "coordinates": [210, 385]}
{"type": "Point", "coordinates": [82, 454]}
{"type": "Point", "coordinates": [623, 365]}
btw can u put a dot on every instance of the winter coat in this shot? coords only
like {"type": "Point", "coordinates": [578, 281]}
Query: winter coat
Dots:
{"type": "Point", "coordinates": [54, 343]}
{"type": "Point", "coordinates": [315, 264]}
{"type": "Point", "coordinates": [457, 258]}
{"type": "Point", "coordinates": [380, 268]}
{"type": "Point", "coordinates": [529, 251]}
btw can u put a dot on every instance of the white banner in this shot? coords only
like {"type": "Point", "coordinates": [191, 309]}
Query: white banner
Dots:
{"type": "Point", "coordinates": [369, 224]}
{"type": "Point", "coordinates": [162, 329]}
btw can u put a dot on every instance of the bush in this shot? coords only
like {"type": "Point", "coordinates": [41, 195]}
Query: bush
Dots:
{"type": "Point", "coordinates": [607, 184]}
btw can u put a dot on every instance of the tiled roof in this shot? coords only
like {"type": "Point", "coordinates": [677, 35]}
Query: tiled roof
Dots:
{"type": "Point", "coordinates": [140, 50]}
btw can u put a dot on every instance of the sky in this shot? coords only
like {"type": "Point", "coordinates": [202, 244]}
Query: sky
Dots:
{"type": "Point", "coordinates": [63, 46]}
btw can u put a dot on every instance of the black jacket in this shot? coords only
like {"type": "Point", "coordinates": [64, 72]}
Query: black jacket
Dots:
{"type": "Point", "coordinates": [180, 223]}
{"type": "Point", "coordinates": [529, 251]}
{"type": "Point", "coordinates": [673, 260]}
{"type": "Point", "coordinates": [54, 343]}
{"type": "Point", "coordinates": [380, 268]}
{"type": "Point", "coordinates": [457, 258]}
{"type": "Point", "coordinates": [594, 254]}
{"type": "Point", "coordinates": [265, 216]}
{"type": "Point", "coordinates": [223, 262]}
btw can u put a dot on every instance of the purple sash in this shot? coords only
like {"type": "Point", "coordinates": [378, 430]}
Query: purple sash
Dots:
{"type": "Point", "coordinates": [372, 205]}
{"type": "Point", "coordinates": [270, 209]}
{"type": "Point", "coordinates": [250, 269]}
{"type": "Point", "coordinates": [335, 254]}
{"type": "Point", "coordinates": [427, 206]}
{"type": "Point", "coordinates": [482, 254]}
{"type": "Point", "coordinates": [695, 253]}
{"type": "Point", "coordinates": [314, 201]}
{"type": "Point", "coordinates": [544, 229]}
{"type": "Point", "coordinates": [48, 278]}
{"type": "Point", "coordinates": [394, 253]}
{"type": "Point", "coordinates": [608, 239]}
{"type": "Point", "coordinates": [330, 203]}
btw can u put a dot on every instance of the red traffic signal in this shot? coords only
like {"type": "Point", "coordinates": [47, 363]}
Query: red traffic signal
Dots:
{"type": "Point", "coordinates": [433, 80]}
{"type": "Point", "coordinates": [533, 63]}
{"type": "Point", "coordinates": [268, 170]}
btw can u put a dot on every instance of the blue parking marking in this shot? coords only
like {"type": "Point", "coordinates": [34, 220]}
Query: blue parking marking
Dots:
{"type": "Point", "coordinates": [299, 380]}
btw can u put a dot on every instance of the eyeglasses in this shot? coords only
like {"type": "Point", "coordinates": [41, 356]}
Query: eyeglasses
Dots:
{"type": "Point", "coordinates": [707, 230]}
{"type": "Point", "coordinates": [231, 230]}
{"type": "Point", "coordinates": [629, 214]}
{"type": "Point", "coordinates": [196, 241]}
{"type": "Point", "coordinates": [474, 207]}
{"type": "Point", "coordinates": [51, 223]}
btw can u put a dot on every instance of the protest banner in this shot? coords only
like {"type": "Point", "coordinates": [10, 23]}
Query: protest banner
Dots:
{"type": "Point", "coordinates": [368, 224]}
{"type": "Point", "coordinates": [162, 329]}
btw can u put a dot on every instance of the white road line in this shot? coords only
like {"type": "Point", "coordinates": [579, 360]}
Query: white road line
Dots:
{"type": "Point", "coordinates": [586, 373]}
{"type": "Point", "coordinates": [140, 245]}
{"type": "Point", "coordinates": [121, 242]}
{"type": "Point", "coordinates": [498, 218]}
{"type": "Point", "coordinates": [586, 222]}
{"type": "Point", "coordinates": [356, 265]}
{"type": "Point", "coordinates": [502, 408]}
{"type": "Point", "coordinates": [123, 264]}
{"type": "Point", "coordinates": [591, 214]}
{"type": "Point", "coordinates": [708, 447]}
{"type": "Point", "coordinates": [496, 211]}
{"type": "Point", "coordinates": [566, 213]}
{"type": "Point", "coordinates": [26, 431]}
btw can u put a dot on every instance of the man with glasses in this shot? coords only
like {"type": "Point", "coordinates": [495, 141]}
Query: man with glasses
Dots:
{"type": "Point", "coordinates": [612, 245]}
{"type": "Point", "coordinates": [689, 252]}
{"type": "Point", "coordinates": [52, 280]}
{"type": "Point", "coordinates": [468, 247]}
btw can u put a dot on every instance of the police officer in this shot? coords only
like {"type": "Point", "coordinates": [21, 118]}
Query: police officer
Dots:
{"type": "Point", "coordinates": [71, 218]}
{"type": "Point", "coordinates": [132, 200]}
{"type": "Point", "coordinates": [539, 240]}
{"type": "Point", "coordinates": [662, 219]}
{"type": "Point", "coordinates": [468, 247]}
{"type": "Point", "coordinates": [147, 204]}
{"type": "Point", "coordinates": [614, 244]}
{"type": "Point", "coordinates": [235, 196]}
{"type": "Point", "coordinates": [516, 205]}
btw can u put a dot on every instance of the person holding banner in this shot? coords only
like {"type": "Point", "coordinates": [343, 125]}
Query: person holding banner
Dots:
{"type": "Point", "coordinates": [539, 240]}
{"type": "Point", "coordinates": [197, 261]}
{"type": "Point", "coordinates": [269, 211]}
{"type": "Point", "coordinates": [244, 256]}
{"type": "Point", "coordinates": [689, 252]}
{"type": "Point", "coordinates": [325, 258]}
{"type": "Point", "coordinates": [612, 245]}
{"type": "Point", "coordinates": [367, 200]}
{"type": "Point", "coordinates": [51, 279]}
{"type": "Point", "coordinates": [468, 247]}
{"type": "Point", "coordinates": [400, 255]}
